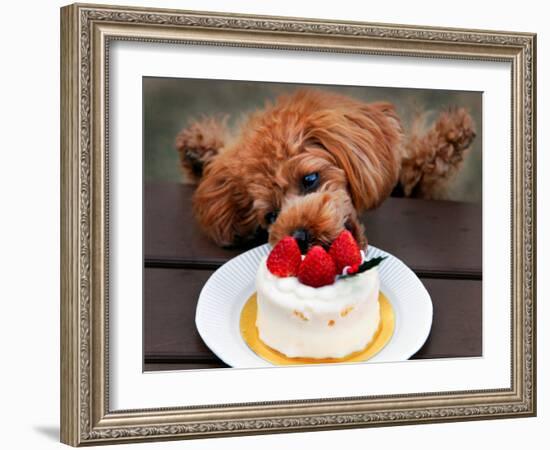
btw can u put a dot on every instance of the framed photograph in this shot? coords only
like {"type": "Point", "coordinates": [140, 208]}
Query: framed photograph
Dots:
{"type": "Point", "coordinates": [276, 224]}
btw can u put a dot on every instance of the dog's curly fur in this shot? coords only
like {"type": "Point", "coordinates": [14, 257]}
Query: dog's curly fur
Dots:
{"type": "Point", "coordinates": [359, 150]}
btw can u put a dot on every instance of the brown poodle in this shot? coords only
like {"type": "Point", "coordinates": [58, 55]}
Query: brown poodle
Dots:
{"type": "Point", "coordinates": [308, 164]}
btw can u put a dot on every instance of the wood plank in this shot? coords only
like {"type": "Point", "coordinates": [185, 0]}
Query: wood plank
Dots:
{"type": "Point", "coordinates": [457, 319]}
{"type": "Point", "coordinates": [171, 337]}
{"type": "Point", "coordinates": [171, 233]}
{"type": "Point", "coordinates": [170, 300]}
{"type": "Point", "coordinates": [434, 238]}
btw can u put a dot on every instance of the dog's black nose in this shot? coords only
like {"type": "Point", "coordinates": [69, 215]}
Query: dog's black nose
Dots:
{"type": "Point", "coordinates": [303, 238]}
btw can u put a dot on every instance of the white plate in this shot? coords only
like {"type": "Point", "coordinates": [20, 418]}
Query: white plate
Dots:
{"type": "Point", "coordinates": [229, 287]}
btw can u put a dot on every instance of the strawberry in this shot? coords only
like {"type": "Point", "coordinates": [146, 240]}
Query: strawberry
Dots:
{"type": "Point", "coordinates": [317, 268]}
{"type": "Point", "coordinates": [285, 258]}
{"type": "Point", "coordinates": [345, 251]}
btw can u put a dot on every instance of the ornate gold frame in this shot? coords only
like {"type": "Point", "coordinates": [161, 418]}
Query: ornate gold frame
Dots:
{"type": "Point", "coordinates": [86, 31]}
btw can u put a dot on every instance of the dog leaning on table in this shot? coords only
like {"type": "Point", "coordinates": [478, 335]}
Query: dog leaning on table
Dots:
{"type": "Point", "coordinates": [309, 163]}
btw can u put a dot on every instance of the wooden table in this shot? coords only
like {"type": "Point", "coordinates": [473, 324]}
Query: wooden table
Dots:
{"type": "Point", "coordinates": [439, 240]}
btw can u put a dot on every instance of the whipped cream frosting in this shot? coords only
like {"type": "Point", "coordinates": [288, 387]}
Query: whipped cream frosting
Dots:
{"type": "Point", "coordinates": [327, 322]}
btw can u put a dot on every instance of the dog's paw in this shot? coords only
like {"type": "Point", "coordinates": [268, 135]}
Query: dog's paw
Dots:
{"type": "Point", "coordinates": [436, 155]}
{"type": "Point", "coordinates": [456, 131]}
{"type": "Point", "coordinates": [198, 144]}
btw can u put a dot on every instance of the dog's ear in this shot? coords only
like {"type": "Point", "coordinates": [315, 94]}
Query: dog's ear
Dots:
{"type": "Point", "coordinates": [199, 143]}
{"type": "Point", "coordinates": [364, 140]}
{"type": "Point", "coordinates": [222, 204]}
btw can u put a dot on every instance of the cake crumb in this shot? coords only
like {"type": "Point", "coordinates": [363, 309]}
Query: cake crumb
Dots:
{"type": "Point", "coordinates": [346, 311]}
{"type": "Point", "coordinates": [331, 323]}
{"type": "Point", "coordinates": [300, 315]}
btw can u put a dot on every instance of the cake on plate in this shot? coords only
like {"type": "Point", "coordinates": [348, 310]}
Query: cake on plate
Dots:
{"type": "Point", "coordinates": [323, 305]}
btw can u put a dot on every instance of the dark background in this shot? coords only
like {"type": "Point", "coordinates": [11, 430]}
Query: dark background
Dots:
{"type": "Point", "coordinates": [170, 103]}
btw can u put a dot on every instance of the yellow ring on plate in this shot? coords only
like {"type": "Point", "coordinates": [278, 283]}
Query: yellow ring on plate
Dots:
{"type": "Point", "coordinates": [249, 333]}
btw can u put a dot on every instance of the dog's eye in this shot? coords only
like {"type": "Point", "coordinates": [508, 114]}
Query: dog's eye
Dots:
{"type": "Point", "coordinates": [270, 217]}
{"type": "Point", "coordinates": [310, 182]}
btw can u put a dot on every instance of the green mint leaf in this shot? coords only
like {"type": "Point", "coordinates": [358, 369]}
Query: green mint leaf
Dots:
{"type": "Point", "coordinates": [371, 263]}
{"type": "Point", "coordinates": [366, 265]}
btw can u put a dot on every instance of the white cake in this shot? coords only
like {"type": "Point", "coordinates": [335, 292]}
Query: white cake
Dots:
{"type": "Point", "coordinates": [327, 322]}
